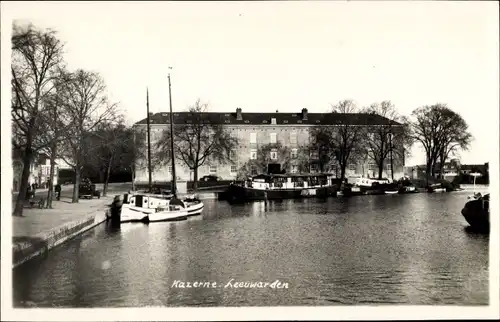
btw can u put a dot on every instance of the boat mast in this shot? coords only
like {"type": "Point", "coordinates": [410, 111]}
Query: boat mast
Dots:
{"type": "Point", "coordinates": [390, 147]}
{"type": "Point", "coordinates": [174, 186]}
{"type": "Point", "coordinates": [149, 143]}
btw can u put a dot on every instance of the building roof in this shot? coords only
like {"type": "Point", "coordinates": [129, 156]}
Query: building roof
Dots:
{"type": "Point", "coordinates": [266, 118]}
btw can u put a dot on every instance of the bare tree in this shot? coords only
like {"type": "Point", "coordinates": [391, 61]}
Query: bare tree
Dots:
{"type": "Point", "coordinates": [378, 142]}
{"type": "Point", "coordinates": [88, 107]}
{"type": "Point", "coordinates": [36, 55]}
{"type": "Point", "coordinates": [55, 125]}
{"type": "Point", "coordinates": [440, 131]}
{"type": "Point", "coordinates": [454, 137]}
{"type": "Point", "coordinates": [321, 147]}
{"type": "Point", "coordinates": [114, 140]}
{"type": "Point", "coordinates": [266, 154]}
{"type": "Point", "coordinates": [160, 152]}
{"type": "Point", "coordinates": [348, 135]}
{"type": "Point", "coordinates": [199, 141]}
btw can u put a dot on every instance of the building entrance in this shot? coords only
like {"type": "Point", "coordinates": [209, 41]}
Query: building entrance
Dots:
{"type": "Point", "coordinates": [273, 168]}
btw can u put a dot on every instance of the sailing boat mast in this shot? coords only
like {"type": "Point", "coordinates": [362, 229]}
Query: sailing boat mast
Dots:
{"type": "Point", "coordinates": [174, 186]}
{"type": "Point", "coordinates": [149, 143]}
{"type": "Point", "coordinates": [390, 147]}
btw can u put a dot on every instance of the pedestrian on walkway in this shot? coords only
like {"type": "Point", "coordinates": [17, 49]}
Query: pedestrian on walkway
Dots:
{"type": "Point", "coordinates": [58, 191]}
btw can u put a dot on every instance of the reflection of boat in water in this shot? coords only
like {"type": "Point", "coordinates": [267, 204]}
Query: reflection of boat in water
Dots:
{"type": "Point", "coordinates": [282, 186]}
{"type": "Point", "coordinates": [477, 211]}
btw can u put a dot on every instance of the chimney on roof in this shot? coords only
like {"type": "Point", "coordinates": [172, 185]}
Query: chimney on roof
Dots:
{"type": "Point", "coordinates": [304, 114]}
{"type": "Point", "coordinates": [238, 114]}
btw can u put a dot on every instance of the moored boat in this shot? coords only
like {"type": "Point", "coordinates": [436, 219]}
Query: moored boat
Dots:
{"type": "Point", "coordinates": [145, 208]}
{"type": "Point", "coordinates": [477, 212]}
{"type": "Point", "coordinates": [193, 205]}
{"type": "Point", "coordinates": [283, 186]}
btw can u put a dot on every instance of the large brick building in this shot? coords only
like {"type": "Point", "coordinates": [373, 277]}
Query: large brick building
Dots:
{"type": "Point", "coordinates": [252, 131]}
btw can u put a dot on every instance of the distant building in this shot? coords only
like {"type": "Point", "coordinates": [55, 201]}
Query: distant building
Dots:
{"type": "Point", "coordinates": [39, 170]}
{"type": "Point", "coordinates": [254, 130]}
{"type": "Point", "coordinates": [451, 169]}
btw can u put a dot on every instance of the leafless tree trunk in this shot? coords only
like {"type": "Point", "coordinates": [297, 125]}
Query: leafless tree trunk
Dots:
{"type": "Point", "coordinates": [50, 193]}
{"type": "Point", "coordinates": [108, 172]}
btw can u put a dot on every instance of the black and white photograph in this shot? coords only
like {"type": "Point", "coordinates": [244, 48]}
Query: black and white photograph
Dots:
{"type": "Point", "coordinates": [250, 160]}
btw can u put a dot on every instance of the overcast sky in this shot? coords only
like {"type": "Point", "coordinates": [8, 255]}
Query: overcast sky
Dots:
{"type": "Point", "coordinates": [288, 55]}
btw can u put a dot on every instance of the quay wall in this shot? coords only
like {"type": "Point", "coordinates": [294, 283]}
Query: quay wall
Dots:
{"type": "Point", "coordinates": [30, 247]}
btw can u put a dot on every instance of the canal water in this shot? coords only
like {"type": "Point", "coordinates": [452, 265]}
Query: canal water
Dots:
{"type": "Point", "coordinates": [389, 249]}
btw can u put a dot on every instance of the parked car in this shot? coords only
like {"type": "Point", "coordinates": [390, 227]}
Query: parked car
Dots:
{"type": "Point", "coordinates": [88, 190]}
{"type": "Point", "coordinates": [210, 178]}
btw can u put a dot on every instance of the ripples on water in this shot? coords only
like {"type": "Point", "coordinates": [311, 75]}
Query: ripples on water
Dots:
{"type": "Point", "coordinates": [396, 249]}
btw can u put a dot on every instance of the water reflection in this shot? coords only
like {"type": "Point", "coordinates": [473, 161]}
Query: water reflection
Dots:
{"type": "Point", "coordinates": [405, 249]}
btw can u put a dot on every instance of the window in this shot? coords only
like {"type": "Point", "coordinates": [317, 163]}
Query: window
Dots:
{"type": "Point", "coordinates": [293, 154]}
{"type": "Point", "coordinates": [170, 169]}
{"type": "Point", "coordinates": [293, 138]}
{"type": "Point", "coordinates": [312, 138]}
{"type": "Point", "coordinates": [274, 155]}
{"type": "Point", "coordinates": [253, 171]}
{"type": "Point", "coordinates": [273, 138]}
{"type": "Point", "coordinates": [371, 166]}
{"type": "Point", "coordinates": [233, 169]}
{"type": "Point", "coordinates": [253, 137]}
{"type": "Point", "coordinates": [352, 167]}
{"type": "Point", "coordinates": [295, 168]}
{"type": "Point", "coordinates": [253, 154]}
{"type": "Point", "coordinates": [314, 168]}
{"type": "Point", "coordinates": [273, 120]}
{"type": "Point", "coordinates": [212, 169]}
{"type": "Point", "coordinates": [388, 167]}
{"type": "Point", "coordinates": [314, 155]}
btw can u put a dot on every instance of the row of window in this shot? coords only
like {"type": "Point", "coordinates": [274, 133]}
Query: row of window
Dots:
{"type": "Point", "coordinates": [212, 169]}
{"type": "Point", "coordinates": [273, 138]}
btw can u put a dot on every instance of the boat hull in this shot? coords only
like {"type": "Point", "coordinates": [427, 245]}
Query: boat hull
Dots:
{"type": "Point", "coordinates": [236, 192]}
{"type": "Point", "coordinates": [194, 208]}
{"type": "Point", "coordinates": [129, 214]}
{"type": "Point", "coordinates": [476, 214]}
{"type": "Point", "coordinates": [175, 215]}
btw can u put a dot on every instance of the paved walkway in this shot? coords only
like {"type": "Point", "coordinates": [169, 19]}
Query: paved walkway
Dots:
{"type": "Point", "coordinates": [37, 220]}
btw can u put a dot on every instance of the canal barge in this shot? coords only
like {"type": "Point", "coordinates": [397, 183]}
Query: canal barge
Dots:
{"type": "Point", "coordinates": [283, 186]}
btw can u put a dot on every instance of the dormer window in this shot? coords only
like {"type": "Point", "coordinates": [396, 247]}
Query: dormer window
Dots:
{"type": "Point", "coordinates": [265, 121]}
{"type": "Point", "coordinates": [227, 121]}
{"type": "Point", "coordinates": [285, 121]}
{"type": "Point", "coordinates": [273, 120]}
{"type": "Point", "coordinates": [247, 121]}
{"type": "Point", "coordinates": [317, 121]}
